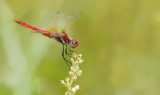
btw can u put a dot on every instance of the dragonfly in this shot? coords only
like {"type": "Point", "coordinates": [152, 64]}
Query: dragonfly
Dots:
{"type": "Point", "coordinates": [61, 36]}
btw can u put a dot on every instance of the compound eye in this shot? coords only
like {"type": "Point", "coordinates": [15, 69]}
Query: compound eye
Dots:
{"type": "Point", "coordinates": [71, 45]}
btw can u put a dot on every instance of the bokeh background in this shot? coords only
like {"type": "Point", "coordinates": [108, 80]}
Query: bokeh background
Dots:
{"type": "Point", "coordinates": [119, 40]}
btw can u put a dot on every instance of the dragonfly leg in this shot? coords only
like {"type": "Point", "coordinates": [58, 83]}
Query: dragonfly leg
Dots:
{"type": "Point", "coordinates": [65, 58]}
{"type": "Point", "coordinates": [70, 50]}
{"type": "Point", "coordinates": [68, 54]}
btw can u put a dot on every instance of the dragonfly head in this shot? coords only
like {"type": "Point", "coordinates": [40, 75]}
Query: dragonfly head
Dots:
{"type": "Point", "coordinates": [74, 43]}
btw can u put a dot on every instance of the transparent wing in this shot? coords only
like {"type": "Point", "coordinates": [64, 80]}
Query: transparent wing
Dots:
{"type": "Point", "coordinates": [50, 23]}
{"type": "Point", "coordinates": [59, 21]}
{"type": "Point", "coordinates": [72, 10]}
{"type": "Point", "coordinates": [67, 14]}
{"type": "Point", "coordinates": [70, 21]}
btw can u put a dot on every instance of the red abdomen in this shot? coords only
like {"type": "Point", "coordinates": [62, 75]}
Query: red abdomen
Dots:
{"type": "Point", "coordinates": [29, 26]}
{"type": "Point", "coordinates": [46, 33]}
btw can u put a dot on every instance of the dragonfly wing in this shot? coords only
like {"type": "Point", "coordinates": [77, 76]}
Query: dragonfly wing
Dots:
{"type": "Point", "coordinates": [50, 22]}
{"type": "Point", "coordinates": [72, 10]}
{"type": "Point", "coordinates": [52, 29]}
{"type": "Point", "coordinates": [70, 20]}
{"type": "Point", "coordinates": [60, 21]}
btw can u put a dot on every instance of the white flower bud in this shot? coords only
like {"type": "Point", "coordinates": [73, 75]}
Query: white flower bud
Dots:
{"type": "Point", "coordinates": [74, 56]}
{"type": "Point", "coordinates": [76, 87]}
{"type": "Point", "coordinates": [72, 59]}
{"type": "Point", "coordinates": [62, 82]}
{"type": "Point", "coordinates": [80, 61]}
{"type": "Point", "coordinates": [66, 93]}
{"type": "Point", "coordinates": [73, 90]}
{"type": "Point", "coordinates": [74, 77]}
{"type": "Point", "coordinates": [71, 73]}
{"type": "Point", "coordinates": [67, 79]}
{"type": "Point", "coordinates": [79, 72]}
{"type": "Point", "coordinates": [76, 68]}
{"type": "Point", "coordinates": [80, 55]}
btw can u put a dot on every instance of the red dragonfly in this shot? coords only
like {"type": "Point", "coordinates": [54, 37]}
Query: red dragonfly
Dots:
{"type": "Point", "coordinates": [62, 37]}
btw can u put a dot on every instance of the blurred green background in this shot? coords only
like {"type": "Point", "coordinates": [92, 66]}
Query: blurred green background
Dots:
{"type": "Point", "coordinates": [119, 40]}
